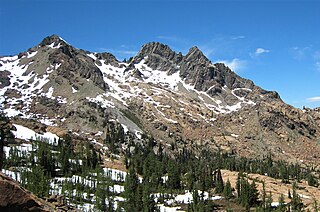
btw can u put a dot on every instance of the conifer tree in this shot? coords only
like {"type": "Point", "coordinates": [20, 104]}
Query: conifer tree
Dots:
{"type": "Point", "coordinates": [227, 191]}
{"type": "Point", "coordinates": [100, 194]}
{"type": "Point", "coordinates": [269, 202]}
{"type": "Point", "coordinates": [312, 181]}
{"type": "Point", "coordinates": [174, 178]}
{"type": "Point", "coordinates": [5, 135]}
{"type": "Point", "coordinates": [296, 202]}
{"type": "Point", "coordinates": [131, 189]}
{"type": "Point", "coordinates": [281, 203]}
{"type": "Point", "coordinates": [264, 195]}
{"type": "Point", "coordinates": [238, 185]}
{"type": "Point", "coordinates": [219, 181]}
{"type": "Point", "coordinates": [315, 205]}
{"type": "Point", "coordinates": [253, 194]}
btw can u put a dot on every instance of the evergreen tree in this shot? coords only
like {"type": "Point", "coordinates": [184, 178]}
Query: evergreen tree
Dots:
{"type": "Point", "coordinates": [269, 202]}
{"type": "Point", "coordinates": [174, 178]}
{"type": "Point", "coordinates": [131, 190]}
{"type": "Point", "coordinates": [264, 195]}
{"type": "Point", "coordinates": [219, 181]}
{"type": "Point", "coordinates": [5, 135]}
{"type": "Point", "coordinates": [227, 191]}
{"type": "Point", "coordinates": [312, 181]}
{"type": "Point", "coordinates": [315, 205]}
{"type": "Point", "coordinates": [281, 203]}
{"type": "Point", "coordinates": [149, 204]}
{"type": "Point", "coordinates": [100, 194]}
{"type": "Point", "coordinates": [253, 194]}
{"type": "Point", "coordinates": [238, 185]}
{"type": "Point", "coordinates": [296, 202]}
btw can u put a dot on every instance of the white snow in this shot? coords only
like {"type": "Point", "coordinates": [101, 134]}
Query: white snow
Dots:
{"type": "Point", "coordinates": [49, 93]}
{"type": "Point", "coordinates": [25, 133]}
{"type": "Point", "coordinates": [52, 45]}
{"type": "Point", "coordinates": [117, 189]}
{"type": "Point", "coordinates": [102, 101]}
{"type": "Point", "coordinates": [32, 54]}
{"type": "Point", "coordinates": [187, 197]}
{"type": "Point", "coordinates": [304, 196]}
{"type": "Point", "coordinates": [27, 85]}
{"type": "Point", "coordinates": [115, 175]}
{"type": "Point", "coordinates": [13, 175]}
{"type": "Point", "coordinates": [164, 208]}
{"type": "Point", "coordinates": [138, 134]}
{"type": "Point", "coordinates": [74, 90]}
{"type": "Point", "coordinates": [125, 128]}
{"type": "Point", "coordinates": [234, 135]}
{"type": "Point", "coordinates": [47, 121]}
{"type": "Point", "coordinates": [92, 56]}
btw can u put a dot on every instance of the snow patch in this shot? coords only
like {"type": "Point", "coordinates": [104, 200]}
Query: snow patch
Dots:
{"type": "Point", "coordinates": [32, 54]}
{"type": "Point", "coordinates": [74, 90]}
{"type": "Point", "coordinates": [92, 56]}
{"type": "Point", "coordinates": [25, 133]}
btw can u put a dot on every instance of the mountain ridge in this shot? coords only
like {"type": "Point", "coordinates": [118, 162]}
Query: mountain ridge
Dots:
{"type": "Point", "coordinates": [183, 99]}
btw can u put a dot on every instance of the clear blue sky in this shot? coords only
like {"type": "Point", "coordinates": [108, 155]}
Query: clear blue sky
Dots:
{"type": "Point", "coordinates": [274, 43]}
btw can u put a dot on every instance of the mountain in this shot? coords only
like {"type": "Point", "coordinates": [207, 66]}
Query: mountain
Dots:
{"type": "Point", "coordinates": [86, 131]}
{"type": "Point", "coordinates": [180, 100]}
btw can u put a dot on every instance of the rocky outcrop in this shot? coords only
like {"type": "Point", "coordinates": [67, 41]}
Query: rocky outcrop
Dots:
{"type": "Point", "coordinates": [73, 61]}
{"type": "Point", "coordinates": [159, 57]}
{"type": "Point", "coordinates": [14, 198]}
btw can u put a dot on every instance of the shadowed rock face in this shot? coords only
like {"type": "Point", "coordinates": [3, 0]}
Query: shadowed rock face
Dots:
{"type": "Point", "coordinates": [15, 198]}
{"type": "Point", "coordinates": [72, 61]}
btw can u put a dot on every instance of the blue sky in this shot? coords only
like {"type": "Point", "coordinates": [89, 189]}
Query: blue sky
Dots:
{"type": "Point", "coordinates": [274, 43]}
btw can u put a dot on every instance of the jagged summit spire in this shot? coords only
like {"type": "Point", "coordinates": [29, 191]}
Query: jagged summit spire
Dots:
{"type": "Point", "coordinates": [196, 53]}
{"type": "Point", "coordinates": [157, 48]}
{"type": "Point", "coordinates": [52, 39]}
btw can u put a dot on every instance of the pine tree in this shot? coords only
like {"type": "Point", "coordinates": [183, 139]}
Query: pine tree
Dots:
{"type": "Point", "coordinates": [312, 181]}
{"type": "Point", "coordinates": [315, 205]}
{"type": "Point", "coordinates": [5, 135]}
{"type": "Point", "coordinates": [269, 202]}
{"type": "Point", "coordinates": [131, 189]}
{"type": "Point", "coordinates": [196, 199]}
{"type": "Point", "coordinates": [295, 201]}
{"type": "Point", "coordinates": [264, 195]}
{"type": "Point", "coordinates": [149, 204]}
{"type": "Point", "coordinates": [238, 185]}
{"type": "Point", "coordinates": [219, 182]}
{"type": "Point", "coordinates": [100, 194]}
{"type": "Point", "coordinates": [227, 191]}
{"type": "Point", "coordinates": [253, 194]}
{"type": "Point", "coordinates": [281, 203]}
{"type": "Point", "coordinates": [174, 179]}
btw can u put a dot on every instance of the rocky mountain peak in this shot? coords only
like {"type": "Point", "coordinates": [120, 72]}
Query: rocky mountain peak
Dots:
{"type": "Point", "coordinates": [159, 56]}
{"type": "Point", "coordinates": [195, 54]}
{"type": "Point", "coordinates": [52, 39]}
{"type": "Point", "coordinates": [157, 49]}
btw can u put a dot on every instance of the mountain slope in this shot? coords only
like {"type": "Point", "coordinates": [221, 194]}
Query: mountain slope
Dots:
{"type": "Point", "coordinates": [181, 100]}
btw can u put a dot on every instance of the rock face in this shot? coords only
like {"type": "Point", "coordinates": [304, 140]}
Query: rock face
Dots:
{"type": "Point", "coordinates": [72, 61]}
{"type": "Point", "coordinates": [196, 69]}
{"type": "Point", "coordinates": [179, 99]}
{"type": "Point", "coordinates": [15, 198]}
